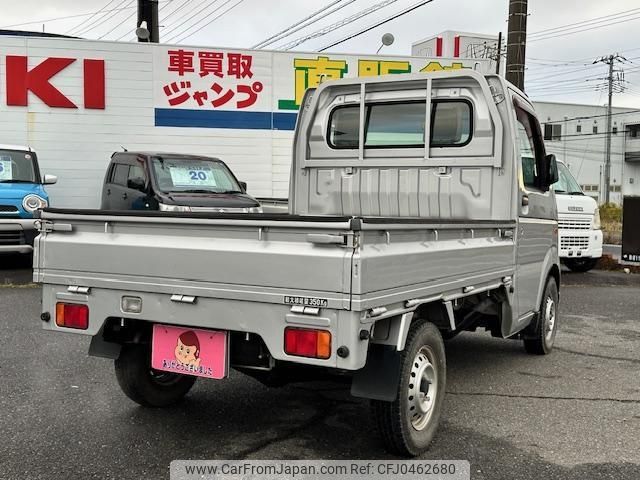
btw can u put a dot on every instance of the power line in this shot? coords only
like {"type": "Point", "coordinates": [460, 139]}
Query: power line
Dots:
{"type": "Point", "coordinates": [589, 28]}
{"type": "Point", "coordinates": [589, 117]}
{"type": "Point", "coordinates": [166, 4]}
{"type": "Point", "coordinates": [67, 17]}
{"type": "Point", "coordinates": [100, 20]}
{"type": "Point", "coordinates": [77, 27]}
{"type": "Point", "coordinates": [393, 17]}
{"type": "Point", "coordinates": [581, 23]}
{"type": "Point", "coordinates": [301, 24]}
{"type": "Point", "coordinates": [206, 4]}
{"type": "Point", "coordinates": [118, 25]}
{"type": "Point", "coordinates": [175, 10]}
{"type": "Point", "coordinates": [212, 20]}
{"type": "Point", "coordinates": [337, 25]}
{"type": "Point", "coordinates": [562, 81]}
{"type": "Point", "coordinates": [555, 75]}
{"type": "Point", "coordinates": [180, 7]}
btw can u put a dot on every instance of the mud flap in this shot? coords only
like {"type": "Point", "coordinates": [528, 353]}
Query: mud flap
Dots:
{"type": "Point", "coordinates": [378, 380]}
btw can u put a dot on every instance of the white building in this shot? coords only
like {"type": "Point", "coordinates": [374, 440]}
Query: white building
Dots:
{"type": "Point", "coordinates": [75, 102]}
{"type": "Point", "coordinates": [576, 134]}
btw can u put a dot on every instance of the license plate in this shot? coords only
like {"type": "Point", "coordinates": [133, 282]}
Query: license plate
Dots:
{"type": "Point", "coordinates": [202, 353]}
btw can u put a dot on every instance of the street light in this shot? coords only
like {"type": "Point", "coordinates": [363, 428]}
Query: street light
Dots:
{"type": "Point", "coordinates": [387, 39]}
{"type": "Point", "coordinates": [143, 33]}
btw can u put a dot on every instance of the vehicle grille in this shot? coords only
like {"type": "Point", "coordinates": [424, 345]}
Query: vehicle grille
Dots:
{"type": "Point", "coordinates": [580, 243]}
{"type": "Point", "coordinates": [8, 209]}
{"type": "Point", "coordinates": [574, 224]}
{"type": "Point", "coordinates": [12, 237]}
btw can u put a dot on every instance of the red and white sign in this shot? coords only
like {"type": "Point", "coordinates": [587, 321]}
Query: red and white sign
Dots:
{"type": "Point", "coordinates": [39, 80]}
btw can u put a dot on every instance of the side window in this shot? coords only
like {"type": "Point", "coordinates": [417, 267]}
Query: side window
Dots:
{"type": "Point", "coordinates": [120, 174]}
{"type": "Point", "coordinates": [396, 125]}
{"type": "Point", "coordinates": [136, 171]}
{"type": "Point", "coordinates": [345, 123]}
{"type": "Point", "coordinates": [451, 124]}
{"type": "Point", "coordinates": [531, 149]}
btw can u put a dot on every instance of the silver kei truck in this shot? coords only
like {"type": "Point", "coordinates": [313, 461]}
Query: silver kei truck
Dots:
{"type": "Point", "coordinates": [411, 219]}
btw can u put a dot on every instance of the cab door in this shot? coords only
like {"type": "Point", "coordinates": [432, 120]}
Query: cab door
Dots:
{"type": "Point", "coordinates": [537, 221]}
{"type": "Point", "coordinates": [114, 196]}
{"type": "Point", "coordinates": [137, 185]}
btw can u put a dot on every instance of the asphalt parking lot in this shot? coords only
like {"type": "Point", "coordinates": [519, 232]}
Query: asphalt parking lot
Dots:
{"type": "Point", "coordinates": [574, 414]}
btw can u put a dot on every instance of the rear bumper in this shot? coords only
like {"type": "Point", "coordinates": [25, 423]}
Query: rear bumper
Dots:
{"type": "Point", "coordinates": [580, 243]}
{"type": "Point", "coordinates": [17, 235]}
{"type": "Point", "coordinates": [267, 320]}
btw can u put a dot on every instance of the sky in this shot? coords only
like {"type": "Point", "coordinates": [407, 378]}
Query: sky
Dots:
{"type": "Point", "coordinates": [559, 62]}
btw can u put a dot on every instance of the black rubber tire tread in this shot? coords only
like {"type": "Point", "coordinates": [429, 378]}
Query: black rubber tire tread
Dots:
{"type": "Point", "coordinates": [536, 345]}
{"type": "Point", "coordinates": [133, 372]}
{"type": "Point", "coordinates": [390, 421]}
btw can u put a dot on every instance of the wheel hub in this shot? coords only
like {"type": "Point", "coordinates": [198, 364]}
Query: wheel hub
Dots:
{"type": "Point", "coordinates": [422, 390]}
{"type": "Point", "coordinates": [549, 318]}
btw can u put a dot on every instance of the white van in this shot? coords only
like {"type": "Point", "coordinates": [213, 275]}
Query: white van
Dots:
{"type": "Point", "coordinates": [580, 237]}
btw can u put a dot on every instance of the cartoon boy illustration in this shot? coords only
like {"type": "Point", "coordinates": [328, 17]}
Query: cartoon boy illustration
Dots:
{"type": "Point", "coordinates": [188, 349]}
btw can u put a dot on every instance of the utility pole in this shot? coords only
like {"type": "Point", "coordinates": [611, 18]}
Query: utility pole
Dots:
{"type": "Point", "coordinates": [148, 13]}
{"type": "Point", "coordinates": [516, 42]}
{"type": "Point", "coordinates": [499, 53]}
{"type": "Point", "coordinates": [609, 60]}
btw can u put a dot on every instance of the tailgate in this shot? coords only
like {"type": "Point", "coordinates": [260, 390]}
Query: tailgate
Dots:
{"type": "Point", "coordinates": [259, 259]}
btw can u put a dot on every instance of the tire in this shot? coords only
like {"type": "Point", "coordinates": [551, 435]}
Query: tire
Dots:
{"type": "Point", "coordinates": [145, 386]}
{"type": "Point", "coordinates": [539, 338]}
{"type": "Point", "coordinates": [408, 425]}
{"type": "Point", "coordinates": [580, 264]}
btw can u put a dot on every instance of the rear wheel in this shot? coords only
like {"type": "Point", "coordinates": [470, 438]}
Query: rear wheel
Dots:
{"type": "Point", "coordinates": [146, 386]}
{"type": "Point", "coordinates": [408, 424]}
{"type": "Point", "coordinates": [541, 334]}
{"type": "Point", "coordinates": [580, 264]}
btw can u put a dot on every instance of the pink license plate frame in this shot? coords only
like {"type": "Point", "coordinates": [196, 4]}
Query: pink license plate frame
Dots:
{"type": "Point", "coordinates": [190, 351]}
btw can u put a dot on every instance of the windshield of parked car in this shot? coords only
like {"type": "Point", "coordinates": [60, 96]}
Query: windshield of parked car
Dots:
{"type": "Point", "coordinates": [16, 167]}
{"type": "Point", "coordinates": [566, 184]}
{"type": "Point", "coordinates": [193, 175]}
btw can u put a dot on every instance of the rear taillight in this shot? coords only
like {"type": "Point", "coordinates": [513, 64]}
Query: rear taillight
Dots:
{"type": "Point", "coordinates": [72, 315]}
{"type": "Point", "coordinates": [304, 342]}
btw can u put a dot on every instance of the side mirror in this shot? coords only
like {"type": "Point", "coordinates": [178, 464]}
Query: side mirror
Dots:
{"type": "Point", "coordinates": [552, 165]}
{"type": "Point", "coordinates": [49, 180]}
{"type": "Point", "coordinates": [243, 186]}
{"type": "Point", "coordinates": [136, 184]}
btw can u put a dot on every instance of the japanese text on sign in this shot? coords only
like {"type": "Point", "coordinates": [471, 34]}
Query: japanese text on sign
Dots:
{"type": "Point", "coordinates": [216, 67]}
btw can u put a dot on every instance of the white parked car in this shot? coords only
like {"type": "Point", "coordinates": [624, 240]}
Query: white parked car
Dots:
{"type": "Point", "coordinates": [580, 237]}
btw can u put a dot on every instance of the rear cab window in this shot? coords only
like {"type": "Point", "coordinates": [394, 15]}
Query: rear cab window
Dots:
{"type": "Point", "coordinates": [402, 124]}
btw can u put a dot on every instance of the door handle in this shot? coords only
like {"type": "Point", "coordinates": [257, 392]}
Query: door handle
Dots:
{"type": "Point", "coordinates": [108, 191]}
{"type": "Point", "coordinates": [124, 196]}
{"type": "Point", "coordinates": [525, 200]}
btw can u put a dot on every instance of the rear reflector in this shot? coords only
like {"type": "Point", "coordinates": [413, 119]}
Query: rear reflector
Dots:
{"type": "Point", "coordinates": [72, 315]}
{"type": "Point", "coordinates": [304, 342]}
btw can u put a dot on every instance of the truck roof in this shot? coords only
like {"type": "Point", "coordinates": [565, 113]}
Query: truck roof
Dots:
{"type": "Point", "coordinates": [164, 154]}
{"type": "Point", "coordinates": [23, 148]}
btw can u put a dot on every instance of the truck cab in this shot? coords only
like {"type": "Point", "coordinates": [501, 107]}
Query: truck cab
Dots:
{"type": "Point", "coordinates": [580, 236]}
{"type": "Point", "coordinates": [22, 193]}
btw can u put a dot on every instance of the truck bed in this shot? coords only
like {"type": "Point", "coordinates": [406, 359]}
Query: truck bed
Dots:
{"type": "Point", "coordinates": [247, 272]}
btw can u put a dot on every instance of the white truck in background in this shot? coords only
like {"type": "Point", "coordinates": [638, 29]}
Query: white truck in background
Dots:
{"type": "Point", "coordinates": [580, 237]}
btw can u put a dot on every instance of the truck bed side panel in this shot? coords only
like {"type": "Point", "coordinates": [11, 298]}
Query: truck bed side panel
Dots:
{"type": "Point", "coordinates": [166, 252]}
